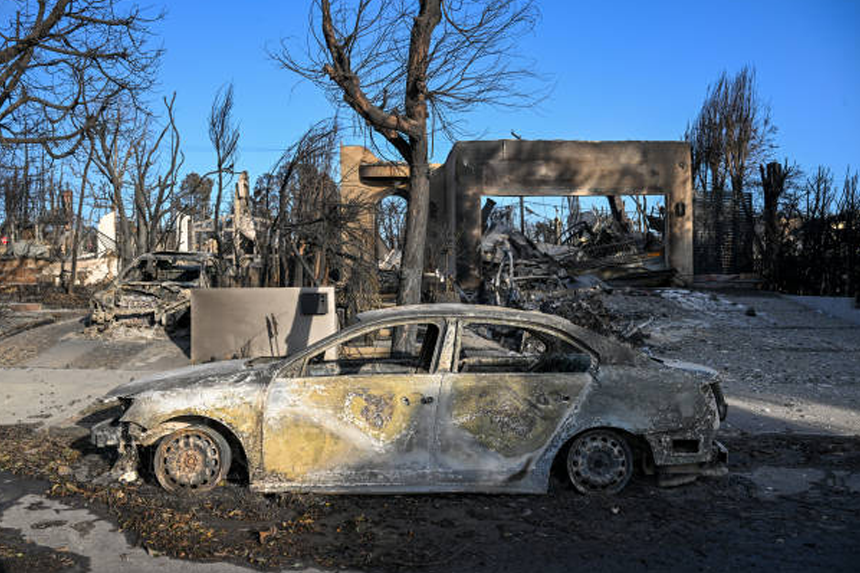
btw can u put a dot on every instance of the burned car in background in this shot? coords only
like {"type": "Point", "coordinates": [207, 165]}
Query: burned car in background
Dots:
{"type": "Point", "coordinates": [487, 399]}
{"type": "Point", "coordinates": [154, 289]}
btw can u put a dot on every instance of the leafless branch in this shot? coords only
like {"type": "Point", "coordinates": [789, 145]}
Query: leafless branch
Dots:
{"type": "Point", "coordinates": [56, 55]}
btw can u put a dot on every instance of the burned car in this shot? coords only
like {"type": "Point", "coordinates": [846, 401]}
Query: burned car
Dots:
{"type": "Point", "coordinates": [155, 288]}
{"type": "Point", "coordinates": [486, 399]}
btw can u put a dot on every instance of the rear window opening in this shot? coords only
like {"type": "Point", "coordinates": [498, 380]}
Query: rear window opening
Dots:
{"type": "Point", "coordinates": [495, 348]}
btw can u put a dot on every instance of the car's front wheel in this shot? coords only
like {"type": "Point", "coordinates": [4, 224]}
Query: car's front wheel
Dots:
{"type": "Point", "coordinates": [600, 461]}
{"type": "Point", "coordinates": [192, 459]}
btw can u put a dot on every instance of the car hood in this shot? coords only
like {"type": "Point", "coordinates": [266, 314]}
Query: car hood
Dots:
{"type": "Point", "coordinates": [184, 377]}
{"type": "Point", "coordinates": [103, 297]}
{"type": "Point", "coordinates": [686, 366]}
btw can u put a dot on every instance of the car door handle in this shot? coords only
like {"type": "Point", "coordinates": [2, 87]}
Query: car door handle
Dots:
{"type": "Point", "coordinates": [426, 399]}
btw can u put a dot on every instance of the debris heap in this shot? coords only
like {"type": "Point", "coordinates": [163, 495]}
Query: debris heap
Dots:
{"type": "Point", "coordinates": [569, 278]}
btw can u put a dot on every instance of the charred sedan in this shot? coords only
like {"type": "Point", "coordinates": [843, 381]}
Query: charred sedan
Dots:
{"type": "Point", "coordinates": [155, 288]}
{"type": "Point", "coordinates": [485, 399]}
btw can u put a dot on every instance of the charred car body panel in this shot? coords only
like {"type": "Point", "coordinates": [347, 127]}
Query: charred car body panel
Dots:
{"type": "Point", "coordinates": [485, 401]}
{"type": "Point", "coordinates": [155, 286]}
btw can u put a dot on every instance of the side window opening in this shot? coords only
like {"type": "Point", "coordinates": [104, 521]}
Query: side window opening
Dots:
{"type": "Point", "coordinates": [142, 271]}
{"type": "Point", "coordinates": [371, 353]}
{"type": "Point", "coordinates": [499, 348]}
{"type": "Point", "coordinates": [180, 271]}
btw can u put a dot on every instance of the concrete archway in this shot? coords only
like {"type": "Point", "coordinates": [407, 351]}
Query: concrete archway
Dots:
{"type": "Point", "coordinates": [533, 168]}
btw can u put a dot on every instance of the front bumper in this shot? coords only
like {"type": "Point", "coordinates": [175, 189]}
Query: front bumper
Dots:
{"type": "Point", "coordinates": [716, 466]}
{"type": "Point", "coordinates": [106, 433]}
{"type": "Point", "coordinates": [719, 464]}
{"type": "Point", "coordinates": [113, 433]}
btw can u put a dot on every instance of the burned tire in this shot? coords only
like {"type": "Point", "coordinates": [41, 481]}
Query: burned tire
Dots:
{"type": "Point", "coordinates": [600, 462]}
{"type": "Point", "coordinates": [193, 459]}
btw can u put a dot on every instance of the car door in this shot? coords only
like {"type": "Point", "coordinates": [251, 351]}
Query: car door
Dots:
{"type": "Point", "coordinates": [357, 416]}
{"type": "Point", "coordinates": [509, 390]}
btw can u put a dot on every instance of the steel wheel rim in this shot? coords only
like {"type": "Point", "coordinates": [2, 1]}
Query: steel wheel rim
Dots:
{"type": "Point", "coordinates": [599, 462]}
{"type": "Point", "coordinates": [190, 460]}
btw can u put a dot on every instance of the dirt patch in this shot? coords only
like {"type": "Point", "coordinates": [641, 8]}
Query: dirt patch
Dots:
{"type": "Point", "coordinates": [710, 524]}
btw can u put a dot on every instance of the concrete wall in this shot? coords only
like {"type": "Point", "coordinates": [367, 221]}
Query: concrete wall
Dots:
{"type": "Point", "coordinates": [244, 323]}
{"type": "Point", "coordinates": [365, 180]}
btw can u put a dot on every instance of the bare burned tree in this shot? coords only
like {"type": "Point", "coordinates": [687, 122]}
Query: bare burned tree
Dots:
{"type": "Point", "coordinates": [55, 55]}
{"type": "Point", "coordinates": [224, 135]}
{"type": "Point", "coordinates": [299, 194]}
{"type": "Point", "coordinates": [194, 196]}
{"type": "Point", "coordinates": [819, 251]}
{"type": "Point", "coordinates": [408, 69]}
{"type": "Point", "coordinates": [129, 152]}
{"type": "Point", "coordinates": [78, 221]}
{"type": "Point", "coordinates": [391, 222]}
{"type": "Point", "coordinates": [306, 233]}
{"type": "Point", "coordinates": [732, 134]}
{"type": "Point", "coordinates": [775, 178]}
{"type": "Point", "coordinates": [112, 138]}
{"type": "Point", "coordinates": [156, 176]}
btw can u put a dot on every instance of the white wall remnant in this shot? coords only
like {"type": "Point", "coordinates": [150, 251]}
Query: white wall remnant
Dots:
{"type": "Point", "coordinates": [107, 234]}
{"type": "Point", "coordinates": [184, 227]}
{"type": "Point", "coordinates": [243, 221]}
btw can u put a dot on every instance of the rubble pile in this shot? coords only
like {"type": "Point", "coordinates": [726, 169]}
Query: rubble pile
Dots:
{"type": "Point", "coordinates": [569, 279]}
{"type": "Point", "coordinates": [595, 248]}
{"type": "Point", "coordinates": [585, 307]}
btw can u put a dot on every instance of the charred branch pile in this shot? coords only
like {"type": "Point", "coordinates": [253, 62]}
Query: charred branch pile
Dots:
{"type": "Point", "coordinates": [305, 231]}
{"type": "Point", "coordinates": [593, 249]}
{"type": "Point", "coordinates": [812, 236]}
{"type": "Point", "coordinates": [565, 277]}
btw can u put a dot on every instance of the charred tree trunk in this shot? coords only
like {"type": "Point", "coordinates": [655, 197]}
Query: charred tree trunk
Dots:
{"type": "Point", "coordinates": [141, 232]}
{"type": "Point", "coordinates": [76, 233]}
{"type": "Point", "coordinates": [616, 205]}
{"type": "Point", "coordinates": [412, 263]}
{"type": "Point", "coordinates": [773, 185]}
{"type": "Point", "coordinates": [216, 216]}
{"type": "Point", "coordinates": [298, 267]}
{"type": "Point", "coordinates": [412, 267]}
{"type": "Point", "coordinates": [122, 237]}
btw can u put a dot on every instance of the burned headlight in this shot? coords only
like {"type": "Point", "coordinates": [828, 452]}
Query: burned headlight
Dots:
{"type": "Point", "coordinates": [722, 405]}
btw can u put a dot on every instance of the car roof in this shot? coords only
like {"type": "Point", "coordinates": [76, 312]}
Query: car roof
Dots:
{"type": "Point", "coordinates": [608, 350]}
{"type": "Point", "coordinates": [179, 254]}
{"type": "Point", "coordinates": [457, 310]}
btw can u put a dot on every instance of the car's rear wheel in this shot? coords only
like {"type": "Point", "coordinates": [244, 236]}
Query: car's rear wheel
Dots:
{"type": "Point", "coordinates": [192, 459]}
{"type": "Point", "coordinates": [600, 461]}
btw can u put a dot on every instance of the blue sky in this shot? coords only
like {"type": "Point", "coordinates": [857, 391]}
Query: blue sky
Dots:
{"type": "Point", "coordinates": [622, 70]}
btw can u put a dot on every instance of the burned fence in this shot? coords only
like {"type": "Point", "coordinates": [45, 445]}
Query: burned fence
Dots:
{"type": "Point", "coordinates": [723, 234]}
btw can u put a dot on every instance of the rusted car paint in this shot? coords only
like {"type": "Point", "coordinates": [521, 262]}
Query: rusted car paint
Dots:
{"type": "Point", "coordinates": [439, 430]}
{"type": "Point", "coordinates": [139, 292]}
